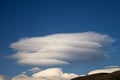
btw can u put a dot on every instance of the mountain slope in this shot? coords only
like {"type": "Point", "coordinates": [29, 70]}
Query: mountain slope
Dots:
{"type": "Point", "coordinates": [101, 76]}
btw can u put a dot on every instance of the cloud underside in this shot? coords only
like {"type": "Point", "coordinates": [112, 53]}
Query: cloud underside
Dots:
{"type": "Point", "coordinates": [59, 49]}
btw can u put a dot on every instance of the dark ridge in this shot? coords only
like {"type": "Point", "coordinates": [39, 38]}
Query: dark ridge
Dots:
{"type": "Point", "coordinates": [101, 76]}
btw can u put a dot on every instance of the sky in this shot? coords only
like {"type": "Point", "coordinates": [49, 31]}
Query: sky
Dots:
{"type": "Point", "coordinates": [75, 35]}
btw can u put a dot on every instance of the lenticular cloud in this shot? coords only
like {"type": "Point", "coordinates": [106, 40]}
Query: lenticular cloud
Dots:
{"type": "Point", "coordinates": [107, 70]}
{"type": "Point", "coordinates": [58, 49]}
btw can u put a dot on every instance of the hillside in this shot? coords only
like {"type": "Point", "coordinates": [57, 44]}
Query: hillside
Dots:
{"type": "Point", "coordinates": [101, 76]}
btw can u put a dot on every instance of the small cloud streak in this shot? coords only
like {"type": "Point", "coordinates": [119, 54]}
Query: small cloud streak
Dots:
{"type": "Point", "coordinates": [59, 49]}
{"type": "Point", "coordinates": [113, 66]}
{"type": "Point", "coordinates": [34, 70]}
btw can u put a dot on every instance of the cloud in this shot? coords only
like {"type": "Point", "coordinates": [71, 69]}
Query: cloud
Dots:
{"type": "Point", "coordinates": [59, 49]}
{"type": "Point", "coordinates": [70, 75]}
{"type": "Point", "coordinates": [55, 72]}
{"type": "Point", "coordinates": [34, 70]}
{"type": "Point", "coordinates": [107, 70]}
{"type": "Point", "coordinates": [47, 74]}
{"type": "Point", "coordinates": [3, 77]}
{"type": "Point", "coordinates": [113, 66]}
{"type": "Point", "coordinates": [20, 77]}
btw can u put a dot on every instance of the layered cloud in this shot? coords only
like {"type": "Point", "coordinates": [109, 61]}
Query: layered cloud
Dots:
{"type": "Point", "coordinates": [58, 49]}
{"type": "Point", "coordinates": [48, 74]}
{"type": "Point", "coordinates": [108, 69]}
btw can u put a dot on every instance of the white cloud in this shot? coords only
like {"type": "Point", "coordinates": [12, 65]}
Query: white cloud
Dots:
{"type": "Point", "coordinates": [109, 70]}
{"type": "Point", "coordinates": [20, 77]}
{"type": "Point", "coordinates": [70, 75]}
{"type": "Point", "coordinates": [24, 72]}
{"type": "Point", "coordinates": [3, 77]}
{"type": "Point", "coordinates": [48, 74]}
{"type": "Point", "coordinates": [55, 72]}
{"type": "Point", "coordinates": [34, 70]}
{"type": "Point", "coordinates": [60, 49]}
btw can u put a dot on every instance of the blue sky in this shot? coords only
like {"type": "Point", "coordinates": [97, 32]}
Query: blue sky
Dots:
{"type": "Point", "coordinates": [35, 18]}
